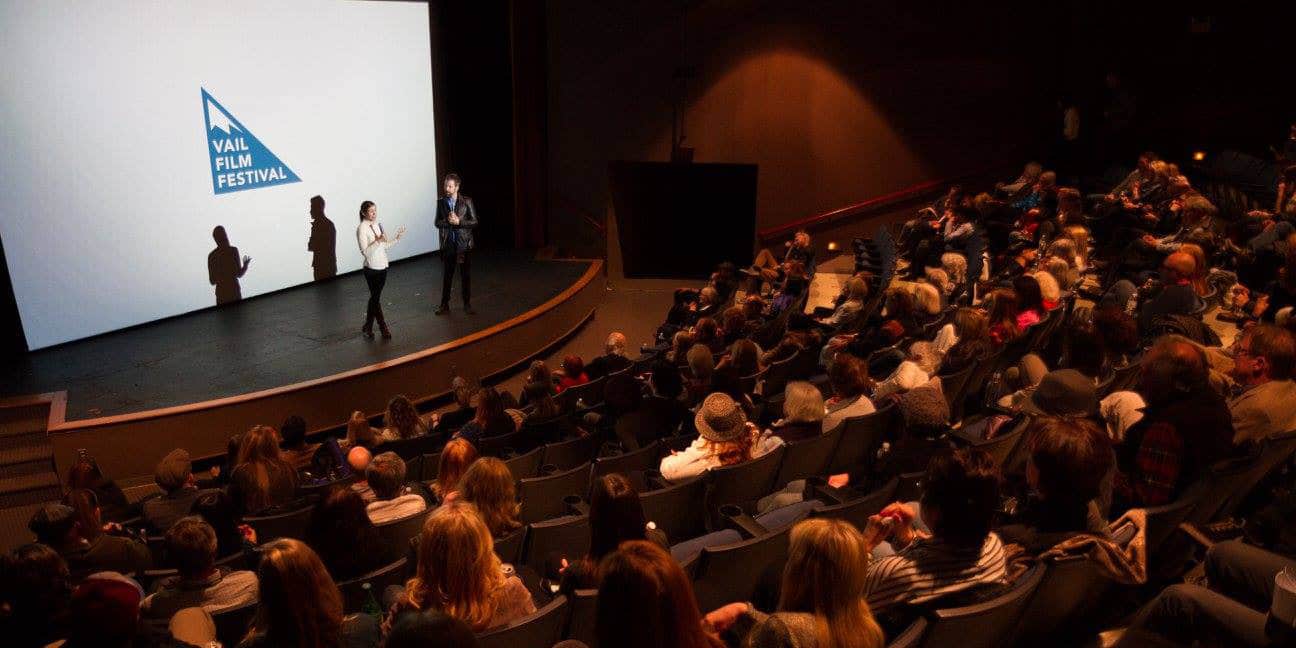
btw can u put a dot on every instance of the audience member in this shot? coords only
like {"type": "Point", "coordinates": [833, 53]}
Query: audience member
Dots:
{"type": "Point", "coordinates": [104, 612]}
{"type": "Point", "coordinates": [445, 423]}
{"type": "Point", "coordinates": [970, 331]}
{"type": "Point", "coordinates": [819, 602]}
{"type": "Point", "coordinates": [725, 439]}
{"type": "Point", "coordinates": [456, 457]}
{"type": "Point", "coordinates": [392, 500]}
{"type": "Point", "coordinates": [360, 434]}
{"type": "Point", "coordinates": [1263, 358]}
{"type": "Point", "coordinates": [488, 486]}
{"type": "Point", "coordinates": [80, 540]}
{"type": "Point", "coordinates": [402, 421]}
{"type": "Point", "coordinates": [191, 549]}
{"type": "Point", "coordinates": [490, 419]}
{"type": "Point", "coordinates": [85, 473]}
{"type": "Point", "coordinates": [615, 516]}
{"type": "Point", "coordinates": [1068, 460]}
{"type": "Point", "coordinates": [803, 413]}
{"type": "Point", "coordinates": [573, 373]}
{"type": "Point", "coordinates": [960, 496]}
{"type": "Point", "coordinates": [262, 479]}
{"type": "Point", "coordinates": [1186, 427]}
{"type": "Point", "coordinates": [613, 359]}
{"type": "Point", "coordinates": [217, 509]}
{"type": "Point", "coordinates": [701, 366]}
{"type": "Point", "coordinates": [174, 475]}
{"type": "Point", "coordinates": [35, 591]}
{"type": "Point", "coordinates": [344, 537]}
{"type": "Point", "coordinates": [459, 574]}
{"type": "Point", "coordinates": [430, 628]}
{"type": "Point", "coordinates": [850, 382]}
{"type": "Point", "coordinates": [358, 460]}
{"type": "Point", "coordinates": [646, 601]}
{"type": "Point", "coordinates": [296, 451]}
{"type": "Point", "coordinates": [301, 606]}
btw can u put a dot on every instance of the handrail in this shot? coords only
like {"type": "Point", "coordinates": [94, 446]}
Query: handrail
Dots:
{"type": "Point", "coordinates": [858, 208]}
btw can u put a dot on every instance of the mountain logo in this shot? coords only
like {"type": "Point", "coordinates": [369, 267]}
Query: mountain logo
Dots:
{"type": "Point", "coordinates": [239, 161]}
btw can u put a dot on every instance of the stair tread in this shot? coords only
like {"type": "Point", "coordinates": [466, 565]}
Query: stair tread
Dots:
{"type": "Point", "coordinates": [24, 454]}
{"type": "Point", "coordinates": [35, 481]}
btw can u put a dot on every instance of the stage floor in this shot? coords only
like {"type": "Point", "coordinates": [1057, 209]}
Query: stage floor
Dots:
{"type": "Point", "coordinates": [299, 334]}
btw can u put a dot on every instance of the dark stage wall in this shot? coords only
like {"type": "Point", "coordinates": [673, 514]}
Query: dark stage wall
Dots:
{"type": "Point", "coordinates": [835, 101]}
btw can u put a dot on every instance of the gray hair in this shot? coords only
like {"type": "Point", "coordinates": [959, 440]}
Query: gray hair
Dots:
{"type": "Point", "coordinates": [700, 361]}
{"type": "Point", "coordinates": [924, 355]}
{"type": "Point", "coordinates": [616, 343]}
{"type": "Point", "coordinates": [955, 266]}
{"type": "Point", "coordinates": [802, 401]}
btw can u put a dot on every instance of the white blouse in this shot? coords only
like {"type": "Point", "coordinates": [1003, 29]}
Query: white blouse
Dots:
{"type": "Point", "coordinates": [374, 251]}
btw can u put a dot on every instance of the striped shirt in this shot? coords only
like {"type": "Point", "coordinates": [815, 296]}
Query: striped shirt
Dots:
{"type": "Point", "coordinates": [929, 569]}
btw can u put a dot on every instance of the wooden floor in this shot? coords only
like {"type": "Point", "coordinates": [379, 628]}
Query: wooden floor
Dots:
{"type": "Point", "coordinates": [287, 337]}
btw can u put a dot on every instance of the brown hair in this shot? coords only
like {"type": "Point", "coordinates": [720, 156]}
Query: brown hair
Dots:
{"type": "Point", "coordinates": [403, 418]}
{"type": "Point", "coordinates": [456, 457]}
{"type": "Point", "coordinates": [1276, 345]}
{"type": "Point", "coordinates": [1071, 456]}
{"type": "Point", "coordinates": [646, 601]}
{"type": "Point", "coordinates": [971, 324]}
{"type": "Point", "coordinates": [488, 485]}
{"type": "Point", "coordinates": [1003, 311]}
{"type": "Point", "coordinates": [359, 432]}
{"type": "Point", "coordinates": [848, 375]}
{"type": "Point", "coordinates": [300, 605]}
{"type": "Point", "coordinates": [1200, 267]}
{"type": "Point", "coordinates": [85, 504]}
{"type": "Point", "coordinates": [259, 453]}
{"type": "Point", "coordinates": [457, 566]}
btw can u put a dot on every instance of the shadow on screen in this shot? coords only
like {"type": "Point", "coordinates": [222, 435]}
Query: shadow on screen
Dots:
{"type": "Point", "coordinates": [323, 241]}
{"type": "Point", "coordinates": [225, 267]}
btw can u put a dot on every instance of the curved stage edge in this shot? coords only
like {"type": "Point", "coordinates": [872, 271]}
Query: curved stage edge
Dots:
{"type": "Point", "coordinates": [130, 445]}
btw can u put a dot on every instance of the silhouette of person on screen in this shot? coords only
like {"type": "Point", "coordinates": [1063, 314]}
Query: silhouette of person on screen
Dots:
{"type": "Point", "coordinates": [224, 268]}
{"type": "Point", "coordinates": [323, 241]}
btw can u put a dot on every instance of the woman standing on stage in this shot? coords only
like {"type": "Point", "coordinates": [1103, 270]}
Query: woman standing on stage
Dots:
{"type": "Point", "coordinates": [373, 245]}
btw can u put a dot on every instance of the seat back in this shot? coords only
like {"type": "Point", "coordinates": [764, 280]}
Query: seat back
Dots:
{"type": "Point", "coordinates": [808, 457]}
{"type": "Point", "coordinates": [862, 436]}
{"type": "Point", "coordinates": [568, 454]}
{"type": "Point", "coordinates": [413, 447]}
{"type": "Point", "coordinates": [983, 625]}
{"type": "Point", "coordinates": [526, 466]}
{"type": "Point", "coordinates": [565, 537]}
{"type": "Point", "coordinates": [547, 431]}
{"type": "Point", "coordinates": [776, 377]}
{"type": "Point", "coordinates": [281, 525]}
{"type": "Point", "coordinates": [857, 510]}
{"type": "Point", "coordinates": [431, 466]}
{"type": "Point", "coordinates": [728, 573]}
{"type": "Point", "coordinates": [643, 459]}
{"type": "Point", "coordinates": [509, 548]}
{"type": "Point", "coordinates": [499, 446]}
{"type": "Point", "coordinates": [1163, 520]}
{"type": "Point", "coordinates": [1072, 587]}
{"type": "Point", "coordinates": [742, 484]}
{"type": "Point", "coordinates": [954, 387]}
{"type": "Point", "coordinates": [675, 509]}
{"type": "Point", "coordinates": [590, 394]}
{"type": "Point", "coordinates": [1001, 448]}
{"type": "Point", "coordinates": [542, 497]}
{"type": "Point", "coordinates": [397, 533]}
{"type": "Point", "coordinates": [1122, 378]}
{"type": "Point", "coordinates": [583, 610]}
{"type": "Point", "coordinates": [1274, 453]}
{"type": "Point", "coordinates": [354, 594]}
{"type": "Point", "coordinates": [541, 629]}
{"type": "Point", "coordinates": [232, 624]}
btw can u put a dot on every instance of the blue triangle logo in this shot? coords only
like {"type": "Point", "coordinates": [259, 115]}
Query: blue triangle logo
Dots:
{"type": "Point", "coordinates": [239, 161]}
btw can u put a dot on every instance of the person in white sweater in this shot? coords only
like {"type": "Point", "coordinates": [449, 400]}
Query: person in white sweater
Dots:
{"type": "Point", "coordinates": [725, 438]}
{"type": "Point", "coordinates": [373, 245]}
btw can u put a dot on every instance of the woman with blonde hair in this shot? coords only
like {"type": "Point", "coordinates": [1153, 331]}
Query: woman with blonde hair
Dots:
{"type": "Point", "coordinates": [459, 574]}
{"type": "Point", "coordinates": [402, 421]}
{"type": "Point", "coordinates": [488, 485]}
{"type": "Point", "coordinates": [456, 457]}
{"type": "Point", "coordinates": [821, 603]}
{"type": "Point", "coordinates": [856, 291]}
{"type": "Point", "coordinates": [955, 266]}
{"type": "Point", "coordinates": [928, 299]}
{"type": "Point", "coordinates": [262, 478]}
{"type": "Point", "coordinates": [300, 606]}
{"type": "Point", "coordinates": [360, 434]}
{"type": "Point", "coordinates": [1050, 291]}
{"type": "Point", "coordinates": [1079, 235]}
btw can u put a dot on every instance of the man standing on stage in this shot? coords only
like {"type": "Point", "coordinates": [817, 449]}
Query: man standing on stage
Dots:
{"type": "Point", "coordinates": [455, 217]}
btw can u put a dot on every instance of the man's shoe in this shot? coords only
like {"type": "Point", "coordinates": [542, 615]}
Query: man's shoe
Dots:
{"type": "Point", "coordinates": [468, 310]}
{"type": "Point", "coordinates": [442, 309]}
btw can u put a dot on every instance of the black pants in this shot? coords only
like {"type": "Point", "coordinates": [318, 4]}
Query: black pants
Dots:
{"type": "Point", "coordinates": [376, 280]}
{"type": "Point", "coordinates": [449, 260]}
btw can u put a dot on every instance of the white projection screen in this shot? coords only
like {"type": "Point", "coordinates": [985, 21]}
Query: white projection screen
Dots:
{"type": "Point", "coordinates": [130, 130]}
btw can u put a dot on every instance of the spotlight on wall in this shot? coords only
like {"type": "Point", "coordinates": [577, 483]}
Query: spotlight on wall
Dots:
{"type": "Point", "coordinates": [832, 246]}
{"type": "Point", "coordinates": [1198, 156]}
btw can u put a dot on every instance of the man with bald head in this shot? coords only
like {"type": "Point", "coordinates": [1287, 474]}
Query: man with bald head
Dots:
{"type": "Point", "coordinates": [1186, 426]}
{"type": "Point", "coordinates": [1176, 296]}
{"type": "Point", "coordinates": [358, 458]}
{"type": "Point", "coordinates": [613, 359]}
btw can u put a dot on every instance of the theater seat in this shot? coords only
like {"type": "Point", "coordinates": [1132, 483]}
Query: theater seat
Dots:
{"type": "Point", "coordinates": [542, 629]}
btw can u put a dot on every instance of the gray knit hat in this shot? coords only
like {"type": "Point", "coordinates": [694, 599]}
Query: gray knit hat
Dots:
{"type": "Point", "coordinates": [720, 418]}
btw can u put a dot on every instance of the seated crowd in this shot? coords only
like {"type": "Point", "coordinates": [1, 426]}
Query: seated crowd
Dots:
{"type": "Point", "coordinates": [1082, 329]}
